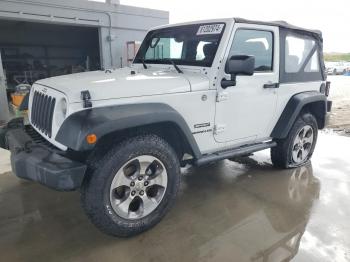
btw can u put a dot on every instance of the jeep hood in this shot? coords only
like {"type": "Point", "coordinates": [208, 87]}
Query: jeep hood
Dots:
{"type": "Point", "coordinates": [120, 83]}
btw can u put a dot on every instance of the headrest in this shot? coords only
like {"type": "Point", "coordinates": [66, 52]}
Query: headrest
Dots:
{"type": "Point", "coordinates": [209, 49]}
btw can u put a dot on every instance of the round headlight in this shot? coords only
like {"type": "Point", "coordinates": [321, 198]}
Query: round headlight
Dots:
{"type": "Point", "coordinates": [61, 111]}
{"type": "Point", "coordinates": [64, 107]}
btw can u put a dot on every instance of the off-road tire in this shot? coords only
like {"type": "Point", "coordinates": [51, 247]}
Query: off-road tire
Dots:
{"type": "Point", "coordinates": [96, 187]}
{"type": "Point", "coordinates": [281, 155]}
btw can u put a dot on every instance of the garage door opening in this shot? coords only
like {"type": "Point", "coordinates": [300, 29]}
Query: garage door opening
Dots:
{"type": "Point", "coordinates": [32, 51]}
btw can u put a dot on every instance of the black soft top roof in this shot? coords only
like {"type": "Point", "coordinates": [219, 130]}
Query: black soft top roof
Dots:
{"type": "Point", "coordinates": [282, 24]}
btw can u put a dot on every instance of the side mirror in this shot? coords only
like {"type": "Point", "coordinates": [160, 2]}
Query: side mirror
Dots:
{"type": "Point", "coordinates": [238, 65]}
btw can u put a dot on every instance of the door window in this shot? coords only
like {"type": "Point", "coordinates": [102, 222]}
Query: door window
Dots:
{"type": "Point", "coordinates": [257, 43]}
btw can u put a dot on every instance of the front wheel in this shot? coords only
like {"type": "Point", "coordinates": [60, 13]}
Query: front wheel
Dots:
{"type": "Point", "coordinates": [133, 187]}
{"type": "Point", "coordinates": [297, 148]}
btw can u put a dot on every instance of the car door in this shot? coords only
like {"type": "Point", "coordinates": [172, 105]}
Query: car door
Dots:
{"type": "Point", "coordinates": [244, 111]}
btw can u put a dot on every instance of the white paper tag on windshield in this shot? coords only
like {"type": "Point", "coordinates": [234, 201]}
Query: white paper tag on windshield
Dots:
{"type": "Point", "coordinates": [210, 29]}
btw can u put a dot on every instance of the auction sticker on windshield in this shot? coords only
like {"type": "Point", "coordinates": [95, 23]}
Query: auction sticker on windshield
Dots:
{"type": "Point", "coordinates": [210, 29]}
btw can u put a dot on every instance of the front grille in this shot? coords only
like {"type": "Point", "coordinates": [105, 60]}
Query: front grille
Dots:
{"type": "Point", "coordinates": [42, 112]}
{"type": "Point", "coordinates": [37, 138]}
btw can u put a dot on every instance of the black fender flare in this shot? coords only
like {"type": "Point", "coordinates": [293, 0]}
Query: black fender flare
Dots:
{"type": "Point", "coordinates": [293, 108]}
{"type": "Point", "coordinates": [105, 120]}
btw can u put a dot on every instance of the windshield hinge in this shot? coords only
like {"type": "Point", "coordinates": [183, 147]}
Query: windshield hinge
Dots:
{"type": "Point", "coordinates": [221, 96]}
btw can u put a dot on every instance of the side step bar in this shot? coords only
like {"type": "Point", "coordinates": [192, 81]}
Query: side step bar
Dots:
{"type": "Point", "coordinates": [243, 150]}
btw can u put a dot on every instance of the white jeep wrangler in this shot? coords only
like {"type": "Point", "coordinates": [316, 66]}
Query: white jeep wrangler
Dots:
{"type": "Point", "coordinates": [196, 93]}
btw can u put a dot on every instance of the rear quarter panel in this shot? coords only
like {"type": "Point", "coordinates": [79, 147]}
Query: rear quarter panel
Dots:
{"type": "Point", "coordinates": [287, 90]}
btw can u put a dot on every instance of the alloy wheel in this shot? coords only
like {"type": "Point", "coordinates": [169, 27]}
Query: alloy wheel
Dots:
{"type": "Point", "coordinates": [138, 187]}
{"type": "Point", "coordinates": [302, 144]}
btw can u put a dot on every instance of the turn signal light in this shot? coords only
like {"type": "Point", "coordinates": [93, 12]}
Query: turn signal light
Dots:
{"type": "Point", "coordinates": [91, 139]}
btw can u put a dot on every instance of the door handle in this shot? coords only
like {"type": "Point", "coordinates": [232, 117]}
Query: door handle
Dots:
{"type": "Point", "coordinates": [271, 85]}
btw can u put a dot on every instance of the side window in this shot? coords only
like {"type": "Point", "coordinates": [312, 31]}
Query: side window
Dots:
{"type": "Point", "coordinates": [313, 65]}
{"type": "Point", "coordinates": [297, 51]}
{"type": "Point", "coordinates": [257, 43]}
{"type": "Point", "coordinates": [301, 57]}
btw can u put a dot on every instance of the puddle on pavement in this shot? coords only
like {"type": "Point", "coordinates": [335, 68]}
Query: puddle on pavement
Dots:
{"type": "Point", "coordinates": [247, 210]}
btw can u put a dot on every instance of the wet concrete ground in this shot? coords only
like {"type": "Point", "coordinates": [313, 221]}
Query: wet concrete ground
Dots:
{"type": "Point", "coordinates": [246, 211]}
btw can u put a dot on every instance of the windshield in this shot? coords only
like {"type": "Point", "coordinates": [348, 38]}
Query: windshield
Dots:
{"type": "Point", "coordinates": [194, 45]}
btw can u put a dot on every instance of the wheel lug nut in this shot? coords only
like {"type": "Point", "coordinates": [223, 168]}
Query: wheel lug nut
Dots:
{"type": "Point", "coordinates": [132, 183]}
{"type": "Point", "coordinates": [146, 183]}
{"type": "Point", "coordinates": [133, 193]}
{"type": "Point", "coordinates": [142, 192]}
{"type": "Point", "coordinates": [140, 178]}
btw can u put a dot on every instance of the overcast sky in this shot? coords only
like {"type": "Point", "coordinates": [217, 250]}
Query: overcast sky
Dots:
{"type": "Point", "coordinates": [331, 17]}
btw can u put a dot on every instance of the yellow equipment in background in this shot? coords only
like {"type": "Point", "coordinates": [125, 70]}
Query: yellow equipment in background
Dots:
{"type": "Point", "coordinates": [17, 98]}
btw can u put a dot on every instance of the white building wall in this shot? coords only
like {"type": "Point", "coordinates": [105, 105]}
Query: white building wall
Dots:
{"type": "Point", "coordinates": [117, 23]}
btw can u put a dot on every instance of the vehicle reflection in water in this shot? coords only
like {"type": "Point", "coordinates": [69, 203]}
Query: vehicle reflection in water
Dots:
{"type": "Point", "coordinates": [227, 211]}
{"type": "Point", "coordinates": [268, 215]}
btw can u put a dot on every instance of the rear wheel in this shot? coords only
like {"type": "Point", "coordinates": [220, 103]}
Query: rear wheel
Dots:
{"type": "Point", "coordinates": [297, 148]}
{"type": "Point", "coordinates": [133, 187]}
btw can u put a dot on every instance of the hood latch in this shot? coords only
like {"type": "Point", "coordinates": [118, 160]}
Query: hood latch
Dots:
{"type": "Point", "coordinates": [86, 98]}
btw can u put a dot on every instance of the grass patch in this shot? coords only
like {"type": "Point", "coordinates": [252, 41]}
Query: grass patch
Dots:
{"type": "Point", "coordinates": [335, 57]}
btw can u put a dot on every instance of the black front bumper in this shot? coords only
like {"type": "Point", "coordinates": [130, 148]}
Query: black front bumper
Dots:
{"type": "Point", "coordinates": [40, 163]}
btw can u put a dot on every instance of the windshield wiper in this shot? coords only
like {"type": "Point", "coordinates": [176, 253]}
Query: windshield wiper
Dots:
{"type": "Point", "coordinates": [175, 65]}
{"type": "Point", "coordinates": [143, 63]}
